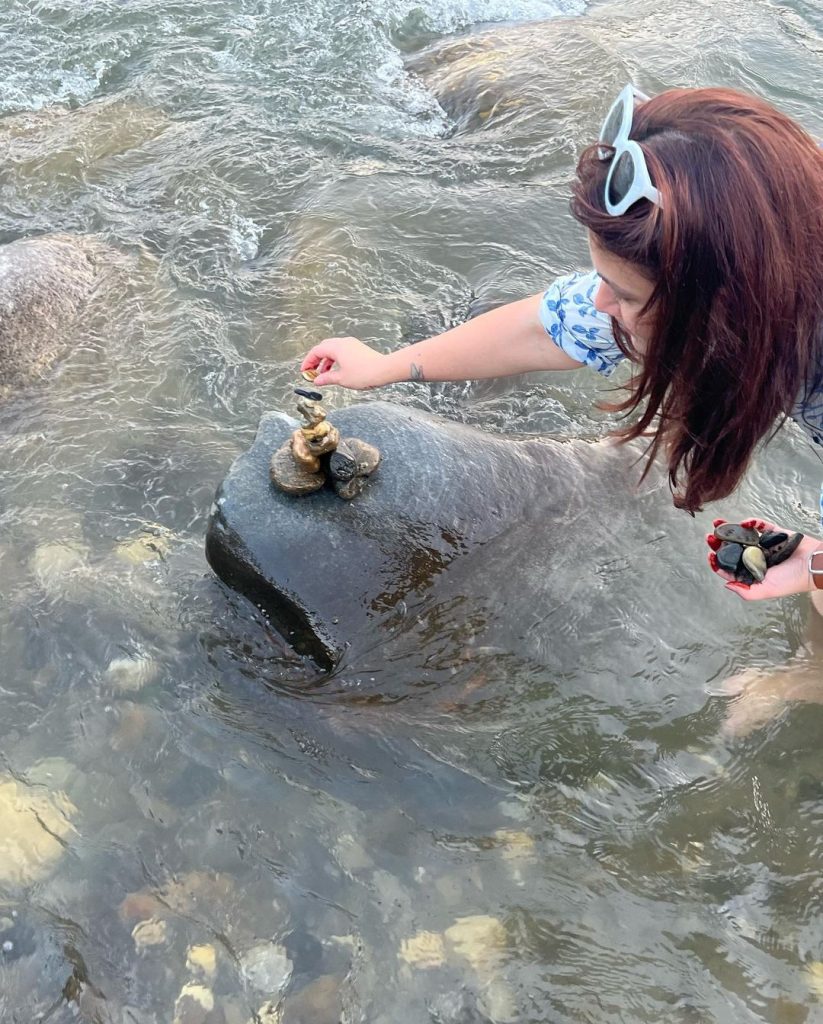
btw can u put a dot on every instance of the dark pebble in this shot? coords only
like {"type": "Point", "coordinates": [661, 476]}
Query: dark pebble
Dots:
{"type": "Point", "coordinates": [729, 555]}
{"type": "Point", "coordinates": [780, 552]}
{"type": "Point", "coordinates": [769, 538]}
{"type": "Point", "coordinates": [313, 396]}
{"type": "Point", "coordinates": [342, 464]}
{"type": "Point", "coordinates": [744, 576]}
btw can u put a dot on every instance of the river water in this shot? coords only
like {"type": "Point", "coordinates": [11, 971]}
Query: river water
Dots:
{"type": "Point", "coordinates": [193, 827]}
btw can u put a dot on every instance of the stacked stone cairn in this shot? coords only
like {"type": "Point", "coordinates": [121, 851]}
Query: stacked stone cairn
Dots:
{"type": "Point", "coordinates": [747, 554]}
{"type": "Point", "coordinates": [316, 455]}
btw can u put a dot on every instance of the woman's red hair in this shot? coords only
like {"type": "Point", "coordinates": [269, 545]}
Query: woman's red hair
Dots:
{"type": "Point", "coordinates": [736, 257]}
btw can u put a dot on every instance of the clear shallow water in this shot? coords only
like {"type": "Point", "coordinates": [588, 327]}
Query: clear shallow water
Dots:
{"type": "Point", "coordinates": [276, 176]}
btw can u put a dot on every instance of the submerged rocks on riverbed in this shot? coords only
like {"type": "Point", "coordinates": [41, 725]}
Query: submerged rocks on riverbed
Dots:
{"type": "Point", "coordinates": [45, 284]}
{"type": "Point", "coordinates": [514, 78]}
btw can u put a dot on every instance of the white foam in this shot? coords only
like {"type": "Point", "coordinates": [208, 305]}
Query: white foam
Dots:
{"type": "Point", "coordinates": [27, 91]}
{"type": "Point", "coordinates": [244, 236]}
{"type": "Point", "coordinates": [460, 14]}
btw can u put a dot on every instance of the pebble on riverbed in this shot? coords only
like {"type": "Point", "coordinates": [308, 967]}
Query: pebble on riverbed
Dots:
{"type": "Point", "coordinates": [130, 674]}
{"type": "Point", "coordinates": [194, 1004]}
{"type": "Point", "coordinates": [320, 1002]}
{"type": "Point", "coordinates": [202, 960]}
{"type": "Point", "coordinates": [516, 849]}
{"type": "Point", "coordinates": [425, 949]}
{"type": "Point", "coordinates": [267, 968]}
{"type": "Point", "coordinates": [34, 827]}
{"type": "Point", "coordinates": [153, 932]}
{"type": "Point", "coordinates": [269, 1013]}
{"type": "Point", "coordinates": [479, 939]}
{"type": "Point", "coordinates": [814, 974]}
{"type": "Point", "coordinates": [59, 567]}
{"type": "Point", "coordinates": [150, 544]}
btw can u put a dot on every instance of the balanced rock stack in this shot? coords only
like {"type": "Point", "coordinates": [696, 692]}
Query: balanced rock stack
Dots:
{"type": "Point", "coordinates": [315, 454]}
{"type": "Point", "coordinates": [748, 554]}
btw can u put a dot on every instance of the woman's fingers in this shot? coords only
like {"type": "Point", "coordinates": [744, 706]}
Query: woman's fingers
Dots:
{"type": "Point", "coordinates": [324, 354]}
{"type": "Point", "coordinates": [713, 541]}
{"type": "Point", "coordinates": [324, 373]}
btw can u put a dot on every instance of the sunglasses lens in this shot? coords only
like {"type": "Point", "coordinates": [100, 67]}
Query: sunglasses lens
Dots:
{"type": "Point", "coordinates": [621, 178]}
{"type": "Point", "coordinates": [611, 126]}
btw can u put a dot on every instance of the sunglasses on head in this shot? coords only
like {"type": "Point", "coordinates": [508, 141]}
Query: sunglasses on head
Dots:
{"type": "Point", "coordinates": [628, 179]}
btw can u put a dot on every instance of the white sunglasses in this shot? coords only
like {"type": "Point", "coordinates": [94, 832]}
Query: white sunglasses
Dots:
{"type": "Point", "coordinates": [628, 179]}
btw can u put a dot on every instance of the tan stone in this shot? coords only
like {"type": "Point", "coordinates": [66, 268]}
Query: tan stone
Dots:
{"type": "Point", "coordinates": [478, 939]}
{"type": "Point", "coordinates": [33, 829]}
{"type": "Point", "coordinates": [46, 283]}
{"type": "Point", "coordinates": [291, 477]}
{"type": "Point", "coordinates": [193, 893]}
{"type": "Point", "coordinates": [55, 562]}
{"type": "Point", "coordinates": [150, 544]}
{"type": "Point", "coordinates": [58, 140]}
{"type": "Point", "coordinates": [268, 1013]}
{"type": "Point", "coordinates": [814, 977]}
{"type": "Point", "coordinates": [425, 949]}
{"type": "Point", "coordinates": [130, 674]}
{"type": "Point", "coordinates": [202, 960]}
{"type": "Point", "coordinates": [515, 845]}
{"type": "Point", "coordinates": [194, 1004]}
{"type": "Point", "coordinates": [316, 430]}
{"type": "Point", "coordinates": [322, 439]}
{"type": "Point", "coordinates": [300, 450]}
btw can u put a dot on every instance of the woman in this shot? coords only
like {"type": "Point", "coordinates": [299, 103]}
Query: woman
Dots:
{"type": "Point", "coordinates": [704, 212]}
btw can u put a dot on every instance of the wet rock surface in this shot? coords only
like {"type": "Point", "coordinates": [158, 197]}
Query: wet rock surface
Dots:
{"type": "Point", "coordinates": [328, 574]}
{"type": "Point", "coordinates": [513, 74]}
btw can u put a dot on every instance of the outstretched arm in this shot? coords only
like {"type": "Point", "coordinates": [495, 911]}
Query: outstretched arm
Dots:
{"type": "Point", "coordinates": [508, 340]}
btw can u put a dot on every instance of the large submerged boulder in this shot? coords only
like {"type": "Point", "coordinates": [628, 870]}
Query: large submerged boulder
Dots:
{"type": "Point", "coordinates": [563, 72]}
{"type": "Point", "coordinates": [521, 75]}
{"type": "Point", "coordinates": [58, 144]}
{"type": "Point", "coordinates": [456, 526]}
{"type": "Point", "coordinates": [45, 284]}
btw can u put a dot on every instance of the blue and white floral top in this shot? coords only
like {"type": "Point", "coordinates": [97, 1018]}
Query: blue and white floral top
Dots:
{"type": "Point", "coordinates": [568, 314]}
{"type": "Point", "coordinates": [582, 332]}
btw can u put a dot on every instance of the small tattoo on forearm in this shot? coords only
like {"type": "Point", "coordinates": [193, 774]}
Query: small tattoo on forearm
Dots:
{"type": "Point", "coordinates": [417, 372]}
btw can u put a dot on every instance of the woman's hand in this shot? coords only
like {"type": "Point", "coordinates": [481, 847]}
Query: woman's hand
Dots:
{"type": "Point", "coordinates": [790, 577]}
{"type": "Point", "coordinates": [347, 362]}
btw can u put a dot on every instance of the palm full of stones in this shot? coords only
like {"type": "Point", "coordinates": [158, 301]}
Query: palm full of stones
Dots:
{"type": "Point", "coordinates": [748, 554]}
